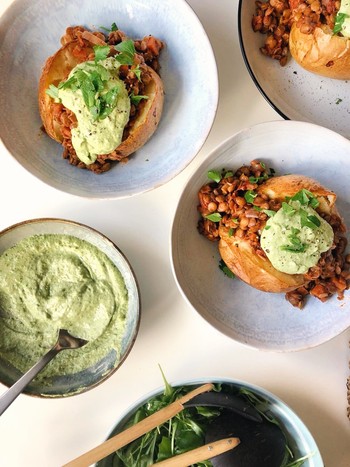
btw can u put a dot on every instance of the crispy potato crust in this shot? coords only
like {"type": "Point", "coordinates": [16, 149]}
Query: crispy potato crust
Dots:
{"type": "Point", "coordinates": [322, 52]}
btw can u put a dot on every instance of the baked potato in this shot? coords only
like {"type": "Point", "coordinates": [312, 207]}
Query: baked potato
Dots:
{"type": "Point", "coordinates": [315, 33]}
{"type": "Point", "coordinates": [321, 52]}
{"type": "Point", "coordinates": [78, 47]}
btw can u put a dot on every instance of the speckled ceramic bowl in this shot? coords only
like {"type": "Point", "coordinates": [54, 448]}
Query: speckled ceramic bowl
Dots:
{"type": "Point", "coordinates": [63, 384]}
{"type": "Point", "coordinates": [258, 319]}
{"type": "Point", "coordinates": [299, 437]}
{"type": "Point", "coordinates": [293, 92]}
{"type": "Point", "coordinates": [188, 111]}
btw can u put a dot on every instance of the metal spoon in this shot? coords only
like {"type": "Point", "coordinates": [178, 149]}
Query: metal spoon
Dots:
{"type": "Point", "coordinates": [263, 444]}
{"type": "Point", "coordinates": [64, 341]}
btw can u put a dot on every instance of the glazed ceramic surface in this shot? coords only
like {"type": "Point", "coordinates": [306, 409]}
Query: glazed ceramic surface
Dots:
{"type": "Point", "coordinates": [261, 320]}
{"type": "Point", "coordinates": [298, 435]}
{"type": "Point", "coordinates": [66, 385]}
{"type": "Point", "coordinates": [293, 92]}
{"type": "Point", "coordinates": [188, 111]}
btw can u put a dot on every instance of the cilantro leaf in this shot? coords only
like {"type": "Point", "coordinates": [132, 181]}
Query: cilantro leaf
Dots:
{"type": "Point", "coordinates": [339, 21]}
{"type": "Point", "coordinates": [214, 175]}
{"type": "Point", "coordinates": [114, 27]}
{"type": "Point", "coordinates": [101, 52]}
{"type": "Point", "coordinates": [226, 270]}
{"type": "Point", "coordinates": [136, 99]}
{"type": "Point", "coordinates": [126, 51]}
{"type": "Point", "coordinates": [214, 216]}
{"type": "Point", "coordinates": [250, 195]}
{"type": "Point", "coordinates": [52, 91]}
{"type": "Point", "coordinates": [108, 101]}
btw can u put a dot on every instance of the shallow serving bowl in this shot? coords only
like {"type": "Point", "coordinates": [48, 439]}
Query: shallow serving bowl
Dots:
{"type": "Point", "coordinates": [30, 31]}
{"type": "Point", "coordinates": [293, 92]}
{"type": "Point", "coordinates": [107, 362]}
{"type": "Point", "coordinates": [297, 434]}
{"type": "Point", "coordinates": [261, 320]}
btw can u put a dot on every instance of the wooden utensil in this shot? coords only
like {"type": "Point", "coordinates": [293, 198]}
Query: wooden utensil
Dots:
{"type": "Point", "coordinates": [130, 434]}
{"type": "Point", "coordinates": [200, 454]}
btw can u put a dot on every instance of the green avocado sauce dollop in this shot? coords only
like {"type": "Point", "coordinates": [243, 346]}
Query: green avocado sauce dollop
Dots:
{"type": "Point", "coordinates": [54, 281]}
{"type": "Point", "coordinates": [294, 238]}
{"type": "Point", "coordinates": [342, 20]}
{"type": "Point", "coordinates": [96, 135]}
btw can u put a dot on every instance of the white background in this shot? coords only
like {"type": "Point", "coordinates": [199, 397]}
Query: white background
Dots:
{"type": "Point", "coordinates": [41, 433]}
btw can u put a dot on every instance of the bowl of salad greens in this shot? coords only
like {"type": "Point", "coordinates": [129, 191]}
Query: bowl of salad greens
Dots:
{"type": "Point", "coordinates": [187, 430]}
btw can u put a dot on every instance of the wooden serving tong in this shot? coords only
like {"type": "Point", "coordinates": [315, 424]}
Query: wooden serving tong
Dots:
{"type": "Point", "coordinates": [144, 426]}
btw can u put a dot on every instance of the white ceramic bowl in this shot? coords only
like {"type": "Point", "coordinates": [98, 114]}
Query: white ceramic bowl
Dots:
{"type": "Point", "coordinates": [60, 385]}
{"type": "Point", "coordinates": [30, 32]}
{"type": "Point", "coordinates": [298, 435]}
{"type": "Point", "coordinates": [293, 92]}
{"type": "Point", "coordinates": [261, 320]}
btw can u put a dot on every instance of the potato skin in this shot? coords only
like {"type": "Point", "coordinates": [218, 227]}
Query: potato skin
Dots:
{"type": "Point", "coordinates": [58, 67]}
{"type": "Point", "coordinates": [321, 52]}
{"type": "Point", "coordinates": [258, 271]}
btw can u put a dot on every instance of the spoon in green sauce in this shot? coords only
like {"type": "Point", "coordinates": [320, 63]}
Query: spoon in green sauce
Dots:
{"type": "Point", "coordinates": [65, 341]}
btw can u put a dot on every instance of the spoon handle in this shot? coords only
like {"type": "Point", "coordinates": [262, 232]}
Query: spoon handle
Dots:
{"type": "Point", "coordinates": [10, 395]}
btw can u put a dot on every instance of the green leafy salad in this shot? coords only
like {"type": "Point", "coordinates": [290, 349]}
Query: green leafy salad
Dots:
{"type": "Point", "coordinates": [186, 430]}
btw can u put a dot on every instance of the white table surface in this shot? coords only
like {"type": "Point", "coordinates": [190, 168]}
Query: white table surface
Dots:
{"type": "Point", "coordinates": [47, 433]}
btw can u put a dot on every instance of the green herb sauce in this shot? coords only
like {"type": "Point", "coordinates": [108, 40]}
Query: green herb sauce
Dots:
{"type": "Point", "coordinates": [294, 238]}
{"type": "Point", "coordinates": [94, 136]}
{"type": "Point", "coordinates": [342, 21]}
{"type": "Point", "coordinates": [56, 281]}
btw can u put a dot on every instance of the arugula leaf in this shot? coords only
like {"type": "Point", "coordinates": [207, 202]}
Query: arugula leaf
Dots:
{"type": "Point", "coordinates": [214, 216]}
{"type": "Point", "coordinates": [214, 175]}
{"type": "Point", "coordinates": [126, 51]}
